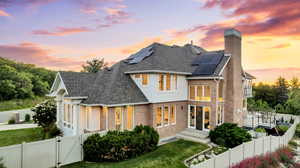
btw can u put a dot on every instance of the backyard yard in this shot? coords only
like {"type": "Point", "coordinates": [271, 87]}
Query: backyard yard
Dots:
{"type": "Point", "coordinates": [168, 156]}
{"type": "Point", "coordinates": [12, 137]}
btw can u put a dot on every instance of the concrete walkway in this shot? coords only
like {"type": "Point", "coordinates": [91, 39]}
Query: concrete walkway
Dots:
{"type": "Point", "coordinates": [16, 126]}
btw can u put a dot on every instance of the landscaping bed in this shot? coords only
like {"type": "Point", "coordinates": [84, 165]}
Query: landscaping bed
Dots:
{"type": "Point", "coordinates": [168, 156]}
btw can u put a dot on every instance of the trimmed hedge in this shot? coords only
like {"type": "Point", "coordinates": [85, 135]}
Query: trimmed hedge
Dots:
{"type": "Point", "coordinates": [120, 145]}
{"type": "Point", "coordinates": [229, 135]}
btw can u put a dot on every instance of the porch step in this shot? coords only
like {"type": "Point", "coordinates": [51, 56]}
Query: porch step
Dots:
{"type": "Point", "coordinates": [194, 135]}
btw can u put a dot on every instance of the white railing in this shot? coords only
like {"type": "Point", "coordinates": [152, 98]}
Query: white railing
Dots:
{"type": "Point", "coordinates": [249, 149]}
{"type": "Point", "coordinates": [53, 152]}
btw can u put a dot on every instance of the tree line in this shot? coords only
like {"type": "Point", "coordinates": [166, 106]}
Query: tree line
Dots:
{"type": "Point", "coordinates": [283, 96]}
{"type": "Point", "coordinates": [19, 80]}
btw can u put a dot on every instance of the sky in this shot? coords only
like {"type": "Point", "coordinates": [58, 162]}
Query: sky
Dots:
{"type": "Point", "coordinates": [63, 34]}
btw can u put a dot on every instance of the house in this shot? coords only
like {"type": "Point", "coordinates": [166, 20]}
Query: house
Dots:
{"type": "Point", "coordinates": [171, 88]}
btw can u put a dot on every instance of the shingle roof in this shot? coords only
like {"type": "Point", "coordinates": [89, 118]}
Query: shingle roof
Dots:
{"type": "Point", "coordinates": [114, 86]}
{"type": "Point", "coordinates": [77, 82]}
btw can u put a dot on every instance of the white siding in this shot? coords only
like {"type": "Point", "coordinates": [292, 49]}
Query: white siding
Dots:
{"type": "Point", "coordinates": [154, 95]}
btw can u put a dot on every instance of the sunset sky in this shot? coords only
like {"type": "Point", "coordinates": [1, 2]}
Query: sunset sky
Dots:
{"type": "Point", "coordinates": [63, 34]}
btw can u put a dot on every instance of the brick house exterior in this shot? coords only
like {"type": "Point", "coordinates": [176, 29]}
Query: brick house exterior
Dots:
{"type": "Point", "coordinates": [170, 88]}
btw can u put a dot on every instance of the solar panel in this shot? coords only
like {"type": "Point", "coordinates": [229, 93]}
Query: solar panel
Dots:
{"type": "Point", "coordinates": [207, 63]}
{"type": "Point", "coordinates": [139, 56]}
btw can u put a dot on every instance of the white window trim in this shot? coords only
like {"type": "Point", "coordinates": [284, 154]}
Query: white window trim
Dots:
{"type": "Point", "coordinates": [66, 123]}
{"type": "Point", "coordinates": [172, 84]}
{"type": "Point", "coordinates": [222, 114]}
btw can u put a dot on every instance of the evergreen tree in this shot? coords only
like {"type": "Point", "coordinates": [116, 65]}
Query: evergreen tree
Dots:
{"type": "Point", "coordinates": [281, 86]}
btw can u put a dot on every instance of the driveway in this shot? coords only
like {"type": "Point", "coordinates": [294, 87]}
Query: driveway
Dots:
{"type": "Point", "coordinates": [6, 115]}
{"type": "Point", "coordinates": [16, 126]}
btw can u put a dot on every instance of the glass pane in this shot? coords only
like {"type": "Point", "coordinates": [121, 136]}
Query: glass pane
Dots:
{"type": "Point", "coordinates": [145, 79]}
{"type": "Point", "coordinates": [192, 116]}
{"type": "Point", "coordinates": [158, 116]}
{"type": "Point", "coordinates": [199, 93]}
{"type": "Point", "coordinates": [166, 115]}
{"type": "Point", "coordinates": [206, 117]}
{"type": "Point", "coordinates": [161, 82]}
{"type": "Point", "coordinates": [129, 117]}
{"type": "Point", "coordinates": [168, 82]}
{"type": "Point", "coordinates": [207, 93]}
{"type": "Point", "coordinates": [192, 92]}
{"type": "Point", "coordinates": [118, 118]}
{"type": "Point", "coordinates": [175, 81]}
{"type": "Point", "coordinates": [172, 114]}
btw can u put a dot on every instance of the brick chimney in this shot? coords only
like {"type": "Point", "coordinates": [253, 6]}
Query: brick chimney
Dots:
{"type": "Point", "coordinates": [234, 86]}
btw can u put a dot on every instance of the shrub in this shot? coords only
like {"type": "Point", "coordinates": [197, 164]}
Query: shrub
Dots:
{"type": "Point", "coordinates": [54, 131]}
{"type": "Point", "coordinates": [117, 145]}
{"type": "Point", "coordinates": [282, 129]}
{"type": "Point", "coordinates": [293, 144]}
{"type": "Point", "coordinates": [1, 163]}
{"type": "Point", "coordinates": [270, 160]}
{"type": "Point", "coordinates": [27, 117]}
{"type": "Point", "coordinates": [229, 135]}
{"type": "Point", "coordinates": [12, 120]}
{"type": "Point", "coordinates": [262, 130]}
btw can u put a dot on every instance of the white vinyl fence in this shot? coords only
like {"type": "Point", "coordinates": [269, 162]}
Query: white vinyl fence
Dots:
{"type": "Point", "coordinates": [44, 154]}
{"type": "Point", "coordinates": [250, 149]}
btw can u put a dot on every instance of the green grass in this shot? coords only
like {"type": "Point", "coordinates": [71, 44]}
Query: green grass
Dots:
{"type": "Point", "coordinates": [170, 155]}
{"type": "Point", "coordinates": [16, 104]}
{"type": "Point", "coordinates": [12, 137]}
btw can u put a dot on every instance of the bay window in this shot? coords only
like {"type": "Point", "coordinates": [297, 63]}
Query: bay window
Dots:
{"type": "Point", "coordinates": [165, 115]}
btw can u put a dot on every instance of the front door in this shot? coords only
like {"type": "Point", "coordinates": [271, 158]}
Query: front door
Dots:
{"type": "Point", "coordinates": [199, 118]}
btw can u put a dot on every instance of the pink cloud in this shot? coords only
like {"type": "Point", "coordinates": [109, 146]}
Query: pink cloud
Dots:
{"type": "Point", "coordinates": [251, 18]}
{"type": "Point", "coordinates": [62, 31]}
{"type": "Point", "coordinates": [3, 13]}
{"type": "Point", "coordinates": [271, 74]}
{"type": "Point", "coordinates": [281, 46]}
{"type": "Point", "coordinates": [34, 54]}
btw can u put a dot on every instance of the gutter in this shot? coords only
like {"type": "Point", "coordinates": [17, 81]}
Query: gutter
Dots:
{"type": "Point", "coordinates": [115, 105]}
{"type": "Point", "coordinates": [158, 71]}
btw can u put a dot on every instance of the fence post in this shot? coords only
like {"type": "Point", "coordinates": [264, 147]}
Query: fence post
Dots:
{"type": "Point", "coordinates": [270, 144]}
{"type": "Point", "coordinates": [243, 150]}
{"type": "Point", "coordinates": [58, 141]}
{"type": "Point", "coordinates": [263, 145]}
{"type": "Point", "coordinates": [22, 154]}
{"type": "Point", "coordinates": [254, 147]}
{"type": "Point", "coordinates": [81, 147]}
{"type": "Point", "coordinates": [229, 157]}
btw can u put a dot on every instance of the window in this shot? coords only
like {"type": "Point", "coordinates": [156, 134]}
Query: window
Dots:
{"type": "Point", "coordinates": [175, 81]}
{"type": "Point", "coordinates": [145, 79]}
{"type": "Point", "coordinates": [105, 111]}
{"type": "Point", "coordinates": [161, 82]}
{"type": "Point", "coordinates": [166, 115]}
{"type": "Point", "coordinates": [137, 75]}
{"type": "Point", "coordinates": [168, 82]}
{"type": "Point", "coordinates": [173, 114]}
{"type": "Point", "coordinates": [118, 118]}
{"type": "Point", "coordinates": [192, 92]}
{"type": "Point", "coordinates": [192, 117]}
{"type": "Point", "coordinates": [159, 116]}
{"type": "Point", "coordinates": [200, 93]}
{"type": "Point", "coordinates": [88, 112]}
{"type": "Point", "coordinates": [129, 117]}
{"type": "Point", "coordinates": [220, 113]}
{"type": "Point", "coordinates": [220, 91]}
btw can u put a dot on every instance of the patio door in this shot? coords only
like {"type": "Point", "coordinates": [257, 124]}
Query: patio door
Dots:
{"type": "Point", "coordinates": [199, 117]}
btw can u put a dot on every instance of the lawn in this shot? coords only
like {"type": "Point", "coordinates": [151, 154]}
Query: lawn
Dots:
{"type": "Point", "coordinates": [16, 104]}
{"type": "Point", "coordinates": [170, 155]}
{"type": "Point", "coordinates": [12, 137]}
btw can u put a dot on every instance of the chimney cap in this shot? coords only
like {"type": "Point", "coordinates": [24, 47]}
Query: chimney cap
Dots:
{"type": "Point", "coordinates": [232, 32]}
